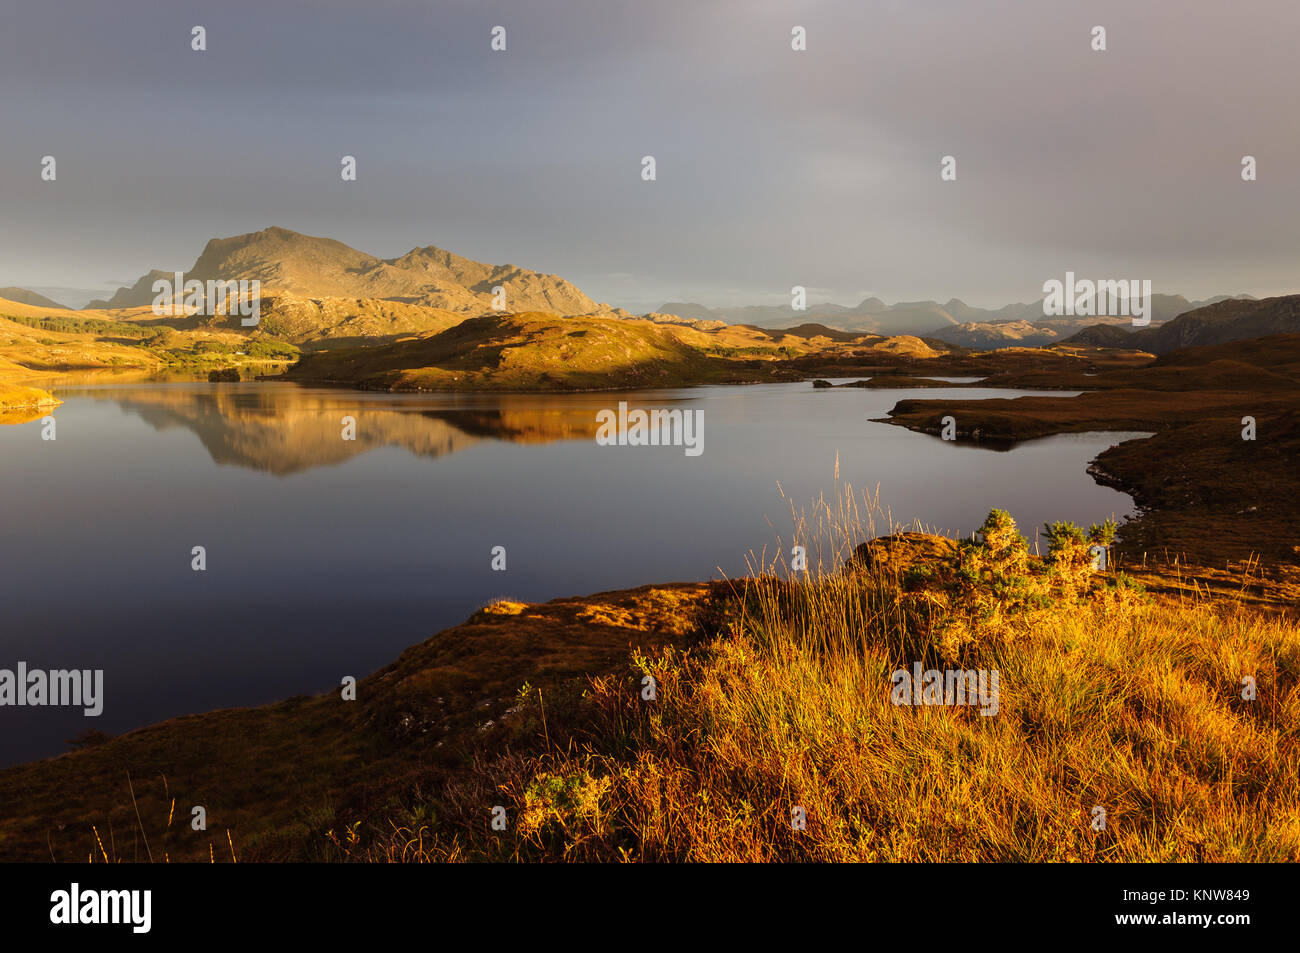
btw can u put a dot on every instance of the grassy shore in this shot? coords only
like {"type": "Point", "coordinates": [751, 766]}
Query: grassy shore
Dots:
{"type": "Point", "coordinates": [544, 352]}
{"type": "Point", "coordinates": [1214, 481]}
{"type": "Point", "coordinates": [1120, 731]}
{"type": "Point", "coordinates": [772, 701]}
{"type": "Point", "coordinates": [18, 397]}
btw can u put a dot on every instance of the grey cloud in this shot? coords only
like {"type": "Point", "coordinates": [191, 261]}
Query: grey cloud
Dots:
{"type": "Point", "coordinates": [775, 168]}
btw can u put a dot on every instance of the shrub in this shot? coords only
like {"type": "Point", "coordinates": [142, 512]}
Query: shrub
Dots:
{"type": "Point", "coordinates": [782, 708]}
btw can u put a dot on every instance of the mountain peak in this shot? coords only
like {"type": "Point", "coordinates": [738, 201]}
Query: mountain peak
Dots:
{"type": "Point", "coordinates": [309, 266]}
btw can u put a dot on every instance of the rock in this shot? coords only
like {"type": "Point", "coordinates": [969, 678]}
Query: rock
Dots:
{"type": "Point", "coordinates": [901, 551]}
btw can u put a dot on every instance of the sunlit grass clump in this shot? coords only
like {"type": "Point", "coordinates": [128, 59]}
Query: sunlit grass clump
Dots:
{"type": "Point", "coordinates": [1125, 729]}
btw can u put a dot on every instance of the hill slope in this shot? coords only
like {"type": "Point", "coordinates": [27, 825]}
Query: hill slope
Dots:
{"type": "Point", "coordinates": [538, 351]}
{"type": "Point", "coordinates": [1234, 319]}
{"type": "Point", "coordinates": [23, 296]}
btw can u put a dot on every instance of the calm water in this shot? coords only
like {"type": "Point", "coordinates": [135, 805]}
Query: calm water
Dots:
{"type": "Point", "coordinates": [327, 558]}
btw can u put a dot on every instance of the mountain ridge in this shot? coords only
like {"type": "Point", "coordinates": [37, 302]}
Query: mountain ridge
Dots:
{"type": "Point", "coordinates": [24, 296]}
{"type": "Point", "coordinates": [1225, 321]}
{"type": "Point", "coordinates": [954, 321]}
{"type": "Point", "coordinates": [309, 266]}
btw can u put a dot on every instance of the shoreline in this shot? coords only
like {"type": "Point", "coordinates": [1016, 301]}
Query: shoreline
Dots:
{"type": "Point", "coordinates": [425, 718]}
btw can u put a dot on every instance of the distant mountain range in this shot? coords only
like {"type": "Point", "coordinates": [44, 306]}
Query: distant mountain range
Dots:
{"type": "Point", "coordinates": [870, 315]}
{"type": "Point", "coordinates": [1013, 325]}
{"type": "Point", "coordinates": [318, 290]}
{"type": "Point", "coordinates": [1219, 323]}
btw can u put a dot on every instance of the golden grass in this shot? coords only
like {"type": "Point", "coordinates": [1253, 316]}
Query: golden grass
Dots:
{"type": "Point", "coordinates": [25, 403]}
{"type": "Point", "coordinates": [115, 853]}
{"type": "Point", "coordinates": [770, 693]}
{"type": "Point", "coordinates": [1106, 699]}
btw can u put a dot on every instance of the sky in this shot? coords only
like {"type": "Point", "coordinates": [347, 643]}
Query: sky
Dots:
{"type": "Point", "coordinates": [774, 167]}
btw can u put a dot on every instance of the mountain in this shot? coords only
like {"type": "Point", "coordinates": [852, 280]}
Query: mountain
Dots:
{"type": "Point", "coordinates": [23, 296]}
{"type": "Point", "coordinates": [955, 321]}
{"type": "Point", "coordinates": [683, 309]}
{"type": "Point", "coordinates": [1105, 335]}
{"type": "Point", "coordinates": [317, 323]}
{"type": "Point", "coordinates": [1033, 329]}
{"type": "Point", "coordinates": [1232, 319]}
{"type": "Point", "coordinates": [139, 294]}
{"type": "Point", "coordinates": [757, 315]}
{"type": "Point", "coordinates": [311, 267]}
{"type": "Point", "coordinates": [870, 316]}
{"type": "Point", "coordinates": [984, 336]}
{"type": "Point", "coordinates": [316, 288]}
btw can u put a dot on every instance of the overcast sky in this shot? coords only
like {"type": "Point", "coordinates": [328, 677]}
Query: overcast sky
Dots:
{"type": "Point", "coordinates": [775, 167]}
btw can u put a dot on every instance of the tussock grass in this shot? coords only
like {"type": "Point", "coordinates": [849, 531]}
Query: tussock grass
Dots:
{"type": "Point", "coordinates": [1107, 699]}
{"type": "Point", "coordinates": [135, 844]}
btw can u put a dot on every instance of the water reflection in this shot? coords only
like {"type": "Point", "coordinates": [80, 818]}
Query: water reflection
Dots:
{"type": "Point", "coordinates": [328, 556]}
{"type": "Point", "coordinates": [283, 428]}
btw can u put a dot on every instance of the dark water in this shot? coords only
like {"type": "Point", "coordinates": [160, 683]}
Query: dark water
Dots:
{"type": "Point", "coordinates": [327, 557]}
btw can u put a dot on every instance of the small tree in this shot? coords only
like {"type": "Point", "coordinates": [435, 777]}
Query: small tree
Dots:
{"type": "Point", "coordinates": [1070, 556]}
